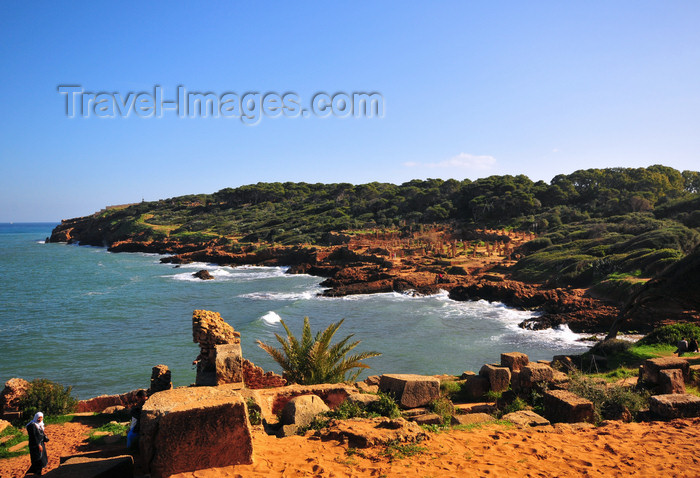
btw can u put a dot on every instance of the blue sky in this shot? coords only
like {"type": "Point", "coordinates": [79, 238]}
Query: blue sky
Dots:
{"type": "Point", "coordinates": [470, 89]}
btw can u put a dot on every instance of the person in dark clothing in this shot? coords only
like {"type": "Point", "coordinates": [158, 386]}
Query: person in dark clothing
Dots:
{"type": "Point", "coordinates": [37, 448]}
{"type": "Point", "coordinates": [693, 345]}
{"type": "Point", "coordinates": [132, 437]}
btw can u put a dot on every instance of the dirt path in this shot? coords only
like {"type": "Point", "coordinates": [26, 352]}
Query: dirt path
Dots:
{"type": "Point", "coordinates": [65, 439]}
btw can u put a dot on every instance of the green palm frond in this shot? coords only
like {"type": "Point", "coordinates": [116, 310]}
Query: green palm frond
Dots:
{"type": "Point", "coordinates": [313, 359]}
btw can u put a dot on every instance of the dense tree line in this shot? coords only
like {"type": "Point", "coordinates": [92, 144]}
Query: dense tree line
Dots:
{"type": "Point", "coordinates": [591, 223]}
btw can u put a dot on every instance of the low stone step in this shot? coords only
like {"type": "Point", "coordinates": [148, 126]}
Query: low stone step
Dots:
{"type": "Point", "coordinates": [472, 419]}
{"type": "Point", "coordinates": [18, 446]}
{"type": "Point", "coordinates": [480, 407]}
{"type": "Point", "coordinates": [427, 419]}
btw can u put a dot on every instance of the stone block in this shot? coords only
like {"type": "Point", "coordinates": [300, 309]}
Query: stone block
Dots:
{"type": "Point", "coordinates": [526, 418]}
{"type": "Point", "coordinates": [475, 387]}
{"type": "Point", "coordinates": [363, 387]}
{"type": "Point", "coordinates": [299, 412]}
{"type": "Point", "coordinates": [160, 379]}
{"type": "Point", "coordinates": [498, 377]}
{"type": "Point", "coordinates": [514, 360]}
{"type": "Point", "coordinates": [671, 381]}
{"type": "Point", "coordinates": [535, 373]}
{"type": "Point", "coordinates": [651, 368]}
{"type": "Point", "coordinates": [410, 390]}
{"type": "Point", "coordinates": [363, 399]}
{"type": "Point", "coordinates": [565, 406]}
{"type": "Point", "coordinates": [189, 429]}
{"type": "Point", "coordinates": [229, 363]}
{"type": "Point", "coordinates": [465, 375]}
{"type": "Point", "coordinates": [472, 419]}
{"type": "Point", "coordinates": [675, 405]}
{"type": "Point", "coordinates": [121, 466]}
{"type": "Point", "coordinates": [4, 424]}
{"type": "Point", "coordinates": [273, 400]}
{"type": "Point", "coordinates": [427, 419]}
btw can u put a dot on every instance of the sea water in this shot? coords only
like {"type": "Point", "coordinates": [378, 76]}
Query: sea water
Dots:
{"type": "Point", "coordinates": [99, 321]}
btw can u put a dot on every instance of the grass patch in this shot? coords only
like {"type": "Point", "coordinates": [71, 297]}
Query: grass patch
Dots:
{"type": "Point", "coordinates": [111, 428]}
{"type": "Point", "coordinates": [617, 374]}
{"type": "Point", "coordinates": [609, 401]}
{"type": "Point", "coordinates": [638, 353]}
{"type": "Point", "coordinates": [473, 426]}
{"type": "Point", "coordinates": [396, 450]}
{"type": "Point", "coordinates": [58, 419]}
{"type": "Point", "coordinates": [17, 437]}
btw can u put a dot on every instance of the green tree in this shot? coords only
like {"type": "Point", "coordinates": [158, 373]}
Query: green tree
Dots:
{"type": "Point", "coordinates": [314, 360]}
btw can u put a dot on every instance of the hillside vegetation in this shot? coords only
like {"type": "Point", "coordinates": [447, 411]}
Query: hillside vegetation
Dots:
{"type": "Point", "coordinates": [613, 228]}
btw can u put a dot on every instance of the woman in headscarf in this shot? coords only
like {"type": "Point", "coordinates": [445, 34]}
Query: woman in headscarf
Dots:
{"type": "Point", "coordinates": [37, 449]}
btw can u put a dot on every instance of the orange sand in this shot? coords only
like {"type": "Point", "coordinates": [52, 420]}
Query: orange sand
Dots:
{"type": "Point", "coordinates": [616, 449]}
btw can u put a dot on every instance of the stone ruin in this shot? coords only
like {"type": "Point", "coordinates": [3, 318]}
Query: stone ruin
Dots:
{"type": "Point", "coordinates": [220, 360]}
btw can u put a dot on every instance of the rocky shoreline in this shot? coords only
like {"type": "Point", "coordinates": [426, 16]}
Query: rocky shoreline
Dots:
{"type": "Point", "coordinates": [380, 263]}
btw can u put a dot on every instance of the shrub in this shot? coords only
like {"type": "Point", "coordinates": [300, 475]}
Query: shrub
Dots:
{"type": "Point", "coordinates": [609, 401]}
{"type": "Point", "coordinates": [386, 406]}
{"type": "Point", "coordinates": [48, 397]}
{"type": "Point", "coordinates": [611, 347]}
{"type": "Point", "coordinates": [515, 406]}
{"type": "Point", "coordinates": [254, 412]}
{"type": "Point", "coordinates": [671, 334]}
{"type": "Point", "coordinates": [442, 406]}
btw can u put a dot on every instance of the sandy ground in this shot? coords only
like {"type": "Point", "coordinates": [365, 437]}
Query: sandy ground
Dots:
{"type": "Point", "coordinates": [616, 449]}
{"type": "Point", "coordinates": [65, 439]}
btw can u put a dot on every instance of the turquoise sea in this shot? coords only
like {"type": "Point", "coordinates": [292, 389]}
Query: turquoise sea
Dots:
{"type": "Point", "coordinates": [100, 321]}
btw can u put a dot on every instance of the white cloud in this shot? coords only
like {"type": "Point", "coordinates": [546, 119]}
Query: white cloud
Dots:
{"type": "Point", "coordinates": [461, 161]}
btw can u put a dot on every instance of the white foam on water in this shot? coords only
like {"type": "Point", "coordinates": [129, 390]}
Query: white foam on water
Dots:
{"type": "Point", "coordinates": [227, 273]}
{"type": "Point", "coordinates": [303, 295]}
{"type": "Point", "coordinates": [271, 318]}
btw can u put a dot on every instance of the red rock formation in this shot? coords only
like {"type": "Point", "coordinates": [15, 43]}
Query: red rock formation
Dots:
{"type": "Point", "coordinates": [14, 390]}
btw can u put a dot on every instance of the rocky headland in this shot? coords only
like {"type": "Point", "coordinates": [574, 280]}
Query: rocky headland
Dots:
{"type": "Point", "coordinates": [478, 268]}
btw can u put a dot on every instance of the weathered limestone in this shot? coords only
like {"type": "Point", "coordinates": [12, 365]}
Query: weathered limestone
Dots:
{"type": "Point", "coordinates": [273, 400]}
{"type": "Point", "coordinates": [410, 390]}
{"type": "Point", "coordinates": [526, 418]}
{"type": "Point", "coordinates": [564, 406]}
{"type": "Point", "coordinates": [671, 381]}
{"type": "Point", "coordinates": [363, 433]}
{"type": "Point", "coordinates": [299, 412]}
{"type": "Point", "coordinates": [472, 418]}
{"type": "Point", "coordinates": [255, 377]}
{"type": "Point", "coordinates": [535, 373]}
{"type": "Point", "coordinates": [4, 424]}
{"type": "Point", "coordinates": [121, 466]}
{"type": "Point", "coordinates": [649, 372]}
{"type": "Point", "coordinates": [220, 359]}
{"type": "Point", "coordinates": [475, 386]}
{"type": "Point", "coordinates": [103, 402]}
{"type": "Point", "coordinates": [188, 429]}
{"type": "Point", "coordinates": [160, 379]}
{"type": "Point", "coordinates": [14, 390]}
{"type": "Point", "coordinates": [499, 377]}
{"type": "Point", "coordinates": [514, 360]}
{"type": "Point", "coordinates": [427, 419]}
{"type": "Point", "coordinates": [675, 405]}
{"type": "Point", "coordinates": [363, 399]}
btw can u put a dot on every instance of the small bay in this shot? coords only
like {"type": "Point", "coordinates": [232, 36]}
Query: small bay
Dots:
{"type": "Point", "coordinates": [99, 321]}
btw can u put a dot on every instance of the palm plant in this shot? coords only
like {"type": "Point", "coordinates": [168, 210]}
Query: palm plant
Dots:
{"type": "Point", "coordinates": [313, 360]}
